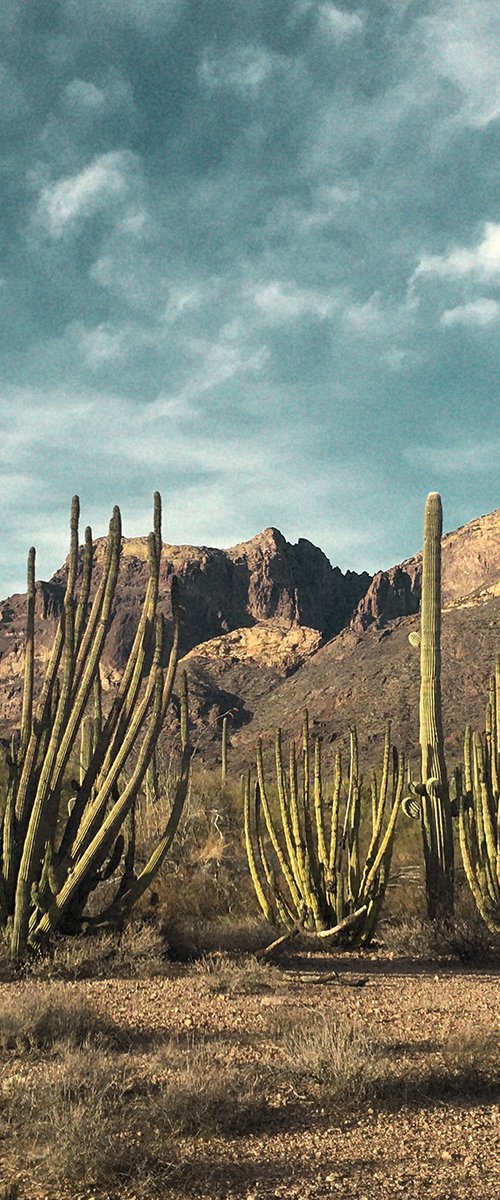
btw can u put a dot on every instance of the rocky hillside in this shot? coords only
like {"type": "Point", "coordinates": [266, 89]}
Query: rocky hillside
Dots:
{"type": "Point", "coordinates": [265, 584]}
{"type": "Point", "coordinates": [270, 627]}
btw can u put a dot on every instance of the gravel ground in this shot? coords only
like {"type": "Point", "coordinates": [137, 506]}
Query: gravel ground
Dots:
{"type": "Point", "coordinates": [424, 1144]}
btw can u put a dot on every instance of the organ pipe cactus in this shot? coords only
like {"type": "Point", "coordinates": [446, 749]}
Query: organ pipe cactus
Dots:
{"type": "Point", "coordinates": [304, 850]}
{"type": "Point", "coordinates": [432, 792]}
{"type": "Point", "coordinates": [478, 799]}
{"type": "Point", "coordinates": [53, 856]}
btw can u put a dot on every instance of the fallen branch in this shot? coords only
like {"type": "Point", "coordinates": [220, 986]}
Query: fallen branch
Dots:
{"type": "Point", "coordinates": [308, 933]}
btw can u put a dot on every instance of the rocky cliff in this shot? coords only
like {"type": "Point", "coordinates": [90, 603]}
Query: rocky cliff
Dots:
{"type": "Point", "coordinates": [263, 580]}
{"type": "Point", "coordinates": [270, 627]}
{"type": "Point", "coordinates": [470, 562]}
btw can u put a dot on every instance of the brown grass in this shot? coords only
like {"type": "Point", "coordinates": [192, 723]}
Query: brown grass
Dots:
{"type": "Point", "coordinates": [242, 975]}
{"type": "Point", "coordinates": [44, 1017]}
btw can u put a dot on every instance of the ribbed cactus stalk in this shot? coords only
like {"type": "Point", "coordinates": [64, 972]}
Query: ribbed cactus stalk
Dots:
{"type": "Point", "coordinates": [53, 855]}
{"type": "Point", "coordinates": [223, 768]}
{"type": "Point", "coordinates": [435, 804]}
{"type": "Point", "coordinates": [316, 874]}
{"type": "Point", "coordinates": [478, 797]}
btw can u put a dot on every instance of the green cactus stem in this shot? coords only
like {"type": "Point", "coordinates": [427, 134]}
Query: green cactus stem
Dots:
{"type": "Point", "coordinates": [435, 806]}
{"type": "Point", "coordinates": [321, 876]}
{"type": "Point", "coordinates": [54, 854]}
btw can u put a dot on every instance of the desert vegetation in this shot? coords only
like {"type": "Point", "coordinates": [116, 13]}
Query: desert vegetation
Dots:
{"type": "Point", "coordinates": [206, 979]}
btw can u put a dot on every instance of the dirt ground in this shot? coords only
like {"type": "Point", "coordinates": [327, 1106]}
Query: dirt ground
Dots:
{"type": "Point", "coordinates": [425, 1143]}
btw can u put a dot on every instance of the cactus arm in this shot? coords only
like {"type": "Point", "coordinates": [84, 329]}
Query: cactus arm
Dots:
{"type": "Point", "coordinates": [334, 830]}
{"type": "Point", "coordinates": [251, 855]}
{"type": "Point", "coordinates": [285, 815]}
{"type": "Point", "coordinates": [92, 819]}
{"type": "Point", "coordinates": [273, 837]}
{"type": "Point", "coordinates": [27, 708]}
{"type": "Point", "coordinates": [386, 843]}
{"type": "Point", "coordinates": [109, 827]}
{"type": "Point", "coordinates": [86, 580]}
{"type": "Point", "coordinates": [283, 910]}
{"type": "Point", "coordinates": [156, 859]}
{"type": "Point", "coordinates": [111, 736]}
{"type": "Point", "coordinates": [35, 835]}
{"type": "Point", "coordinates": [224, 754]}
{"type": "Point", "coordinates": [318, 807]}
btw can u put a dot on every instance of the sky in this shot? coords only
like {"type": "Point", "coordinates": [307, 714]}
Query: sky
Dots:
{"type": "Point", "coordinates": [250, 258]}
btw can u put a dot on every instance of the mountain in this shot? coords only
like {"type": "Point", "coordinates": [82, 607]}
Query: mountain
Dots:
{"type": "Point", "coordinates": [270, 628]}
{"type": "Point", "coordinates": [265, 583]}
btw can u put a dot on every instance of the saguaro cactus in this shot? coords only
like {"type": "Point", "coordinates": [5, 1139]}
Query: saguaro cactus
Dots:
{"type": "Point", "coordinates": [478, 797]}
{"type": "Point", "coordinates": [52, 859]}
{"type": "Point", "coordinates": [436, 812]}
{"type": "Point", "coordinates": [435, 809]}
{"type": "Point", "coordinates": [310, 870]}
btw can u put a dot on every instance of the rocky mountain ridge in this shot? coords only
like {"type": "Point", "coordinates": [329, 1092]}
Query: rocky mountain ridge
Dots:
{"type": "Point", "coordinates": [269, 627]}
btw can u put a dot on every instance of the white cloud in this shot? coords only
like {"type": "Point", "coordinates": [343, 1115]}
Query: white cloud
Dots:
{"type": "Point", "coordinates": [100, 185]}
{"type": "Point", "coordinates": [338, 23]}
{"type": "Point", "coordinates": [482, 311]}
{"type": "Point", "coordinates": [243, 70]}
{"type": "Point", "coordinates": [482, 262]}
{"type": "Point", "coordinates": [473, 458]}
{"type": "Point", "coordinates": [282, 302]}
{"type": "Point", "coordinates": [462, 44]}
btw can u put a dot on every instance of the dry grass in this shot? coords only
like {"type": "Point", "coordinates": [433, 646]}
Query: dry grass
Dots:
{"type": "Point", "coordinates": [243, 975]}
{"type": "Point", "coordinates": [45, 1017]}
{"type": "Point", "coordinates": [98, 1114]}
{"type": "Point", "coordinates": [465, 938]}
{"type": "Point", "coordinates": [96, 1119]}
{"type": "Point", "coordinates": [335, 1060]}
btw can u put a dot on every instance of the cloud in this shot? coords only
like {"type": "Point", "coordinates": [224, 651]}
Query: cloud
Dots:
{"type": "Point", "coordinates": [482, 262]}
{"type": "Point", "coordinates": [245, 69]}
{"type": "Point", "coordinates": [279, 302]}
{"type": "Point", "coordinates": [462, 45]}
{"type": "Point", "coordinates": [339, 23]}
{"type": "Point", "coordinates": [470, 458]}
{"type": "Point", "coordinates": [101, 185]}
{"type": "Point", "coordinates": [480, 312]}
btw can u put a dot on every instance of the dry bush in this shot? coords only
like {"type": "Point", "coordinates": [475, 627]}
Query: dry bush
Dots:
{"type": "Point", "coordinates": [240, 976]}
{"type": "Point", "coordinates": [41, 1018]}
{"type": "Point", "coordinates": [82, 1124]}
{"type": "Point", "coordinates": [336, 1059]}
{"type": "Point", "coordinates": [463, 937]}
{"type": "Point", "coordinates": [205, 1095]}
{"type": "Point", "coordinates": [93, 1120]}
{"type": "Point", "coordinates": [205, 875]}
{"type": "Point", "coordinates": [470, 1059]}
{"type": "Point", "coordinates": [138, 951]}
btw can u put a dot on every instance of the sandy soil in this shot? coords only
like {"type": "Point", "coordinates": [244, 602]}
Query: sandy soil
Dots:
{"type": "Point", "coordinates": [427, 1145]}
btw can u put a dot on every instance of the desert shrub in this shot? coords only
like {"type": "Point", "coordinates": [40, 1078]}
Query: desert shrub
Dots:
{"type": "Point", "coordinates": [94, 1120]}
{"type": "Point", "coordinates": [237, 976]}
{"type": "Point", "coordinates": [470, 1058]}
{"type": "Point", "coordinates": [206, 875]}
{"type": "Point", "coordinates": [138, 951]}
{"type": "Point", "coordinates": [336, 1059]}
{"type": "Point", "coordinates": [81, 1124]}
{"type": "Point", "coordinates": [41, 1017]}
{"type": "Point", "coordinates": [205, 1095]}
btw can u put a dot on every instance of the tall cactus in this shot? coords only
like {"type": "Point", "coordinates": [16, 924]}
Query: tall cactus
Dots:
{"type": "Point", "coordinates": [433, 790]}
{"type": "Point", "coordinates": [305, 854]}
{"type": "Point", "coordinates": [51, 859]}
{"type": "Point", "coordinates": [478, 796]}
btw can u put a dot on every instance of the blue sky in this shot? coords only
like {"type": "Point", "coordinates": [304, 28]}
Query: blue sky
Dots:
{"type": "Point", "coordinates": [251, 255]}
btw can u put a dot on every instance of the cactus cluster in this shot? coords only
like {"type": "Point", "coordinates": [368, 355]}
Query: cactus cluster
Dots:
{"type": "Point", "coordinates": [52, 855]}
{"type": "Point", "coordinates": [304, 850]}
{"type": "Point", "coordinates": [478, 802]}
